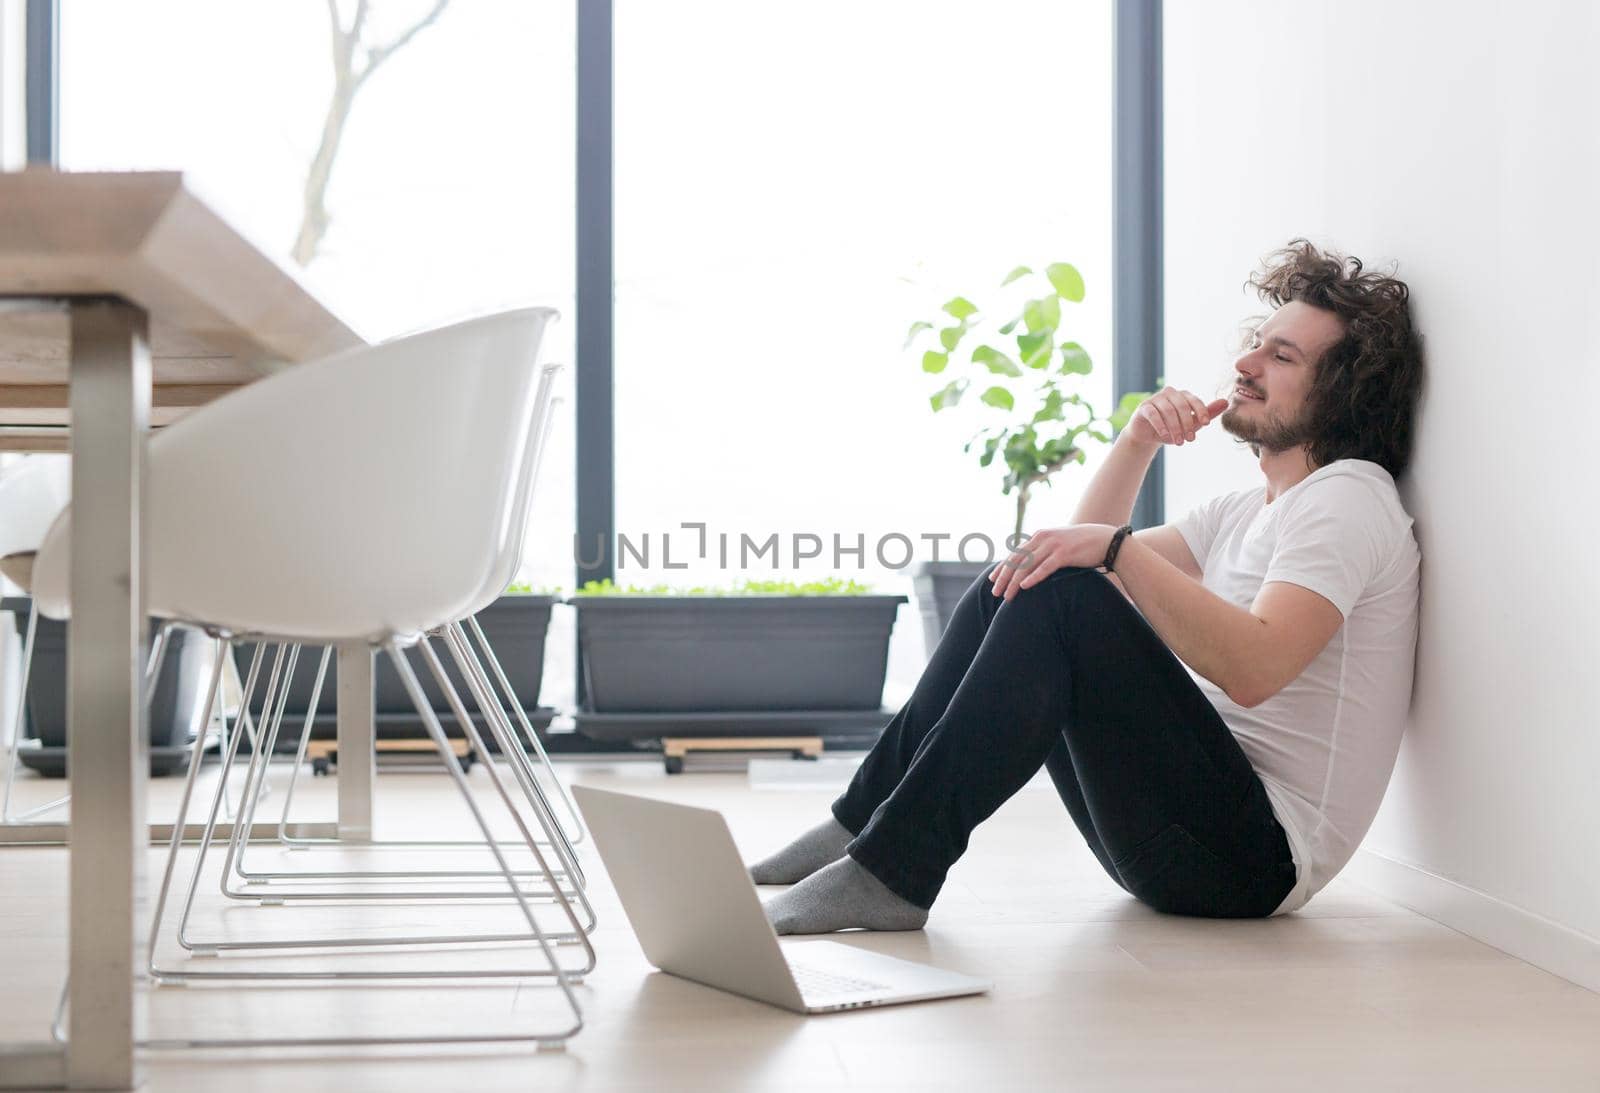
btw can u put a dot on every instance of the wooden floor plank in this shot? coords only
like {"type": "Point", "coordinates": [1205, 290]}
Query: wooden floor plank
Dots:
{"type": "Point", "coordinates": [1092, 991]}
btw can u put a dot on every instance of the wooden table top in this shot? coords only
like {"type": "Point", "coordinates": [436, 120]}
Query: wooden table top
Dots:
{"type": "Point", "coordinates": [223, 312]}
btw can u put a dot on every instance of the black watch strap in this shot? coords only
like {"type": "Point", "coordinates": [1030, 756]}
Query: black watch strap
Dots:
{"type": "Point", "coordinates": [1116, 544]}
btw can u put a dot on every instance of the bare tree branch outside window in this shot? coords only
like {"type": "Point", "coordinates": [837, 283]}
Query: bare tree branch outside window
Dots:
{"type": "Point", "coordinates": [355, 58]}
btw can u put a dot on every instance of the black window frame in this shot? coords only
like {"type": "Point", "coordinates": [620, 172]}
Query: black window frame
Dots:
{"type": "Point", "coordinates": [42, 81]}
{"type": "Point", "coordinates": [1136, 238]}
{"type": "Point", "coordinates": [1136, 253]}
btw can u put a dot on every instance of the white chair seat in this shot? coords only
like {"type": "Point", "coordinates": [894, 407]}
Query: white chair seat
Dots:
{"type": "Point", "coordinates": [376, 471]}
{"type": "Point", "coordinates": [376, 497]}
{"type": "Point", "coordinates": [31, 497]}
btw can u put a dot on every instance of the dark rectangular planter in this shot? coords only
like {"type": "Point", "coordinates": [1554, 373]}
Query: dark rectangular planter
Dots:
{"type": "Point", "coordinates": [672, 654]}
{"type": "Point", "coordinates": [515, 626]}
{"type": "Point", "coordinates": [939, 586]}
{"type": "Point", "coordinates": [840, 729]}
{"type": "Point", "coordinates": [177, 690]}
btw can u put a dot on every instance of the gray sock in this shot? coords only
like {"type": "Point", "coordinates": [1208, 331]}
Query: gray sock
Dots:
{"type": "Point", "coordinates": [822, 844]}
{"type": "Point", "coordinates": [842, 896]}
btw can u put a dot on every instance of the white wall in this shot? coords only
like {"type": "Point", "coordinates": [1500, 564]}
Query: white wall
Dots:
{"type": "Point", "coordinates": [1462, 139]}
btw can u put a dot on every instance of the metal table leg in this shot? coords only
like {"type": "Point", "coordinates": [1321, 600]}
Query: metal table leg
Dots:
{"type": "Point", "coordinates": [357, 759]}
{"type": "Point", "coordinates": [110, 402]}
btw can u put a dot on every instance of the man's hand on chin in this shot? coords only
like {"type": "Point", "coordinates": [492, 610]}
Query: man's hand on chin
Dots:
{"type": "Point", "coordinates": [1171, 416]}
{"type": "Point", "coordinates": [1049, 550]}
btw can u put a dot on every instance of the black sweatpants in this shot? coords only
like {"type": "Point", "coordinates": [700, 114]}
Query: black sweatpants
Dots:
{"type": "Point", "coordinates": [1069, 675]}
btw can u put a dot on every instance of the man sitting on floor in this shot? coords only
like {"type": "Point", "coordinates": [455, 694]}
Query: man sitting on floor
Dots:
{"type": "Point", "coordinates": [1219, 701]}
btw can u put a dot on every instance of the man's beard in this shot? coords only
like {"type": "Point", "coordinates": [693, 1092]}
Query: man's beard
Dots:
{"type": "Point", "coordinates": [1268, 431]}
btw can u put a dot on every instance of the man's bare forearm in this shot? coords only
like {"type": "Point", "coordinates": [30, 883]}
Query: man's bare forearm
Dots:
{"type": "Point", "coordinates": [1222, 641]}
{"type": "Point", "coordinates": [1115, 486]}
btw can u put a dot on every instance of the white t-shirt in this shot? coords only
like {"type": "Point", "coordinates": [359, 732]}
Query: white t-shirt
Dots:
{"type": "Point", "coordinates": [1324, 746]}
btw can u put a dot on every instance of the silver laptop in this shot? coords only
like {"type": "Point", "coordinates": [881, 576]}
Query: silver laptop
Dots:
{"type": "Point", "coordinates": [697, 915]}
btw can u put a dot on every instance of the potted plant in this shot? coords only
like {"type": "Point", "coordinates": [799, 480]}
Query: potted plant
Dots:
{"type": "Point", "coordinates": [177, 694]}
{"type": "Point", "coordinates": [763, 658]}
{"type": "Point", "coordinates": [515, 625]}
{"type": "Point", "coordinates": [1036, 422]}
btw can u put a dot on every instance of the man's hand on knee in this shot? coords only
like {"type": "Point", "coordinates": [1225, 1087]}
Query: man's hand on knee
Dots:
{"type": "Point", "coordinates": [1047, 551]}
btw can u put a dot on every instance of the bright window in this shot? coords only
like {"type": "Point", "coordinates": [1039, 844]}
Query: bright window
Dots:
{"type": "Point", "coordinates": [795, 185]}
{"type": "Point", "coordinates": [452, 191]}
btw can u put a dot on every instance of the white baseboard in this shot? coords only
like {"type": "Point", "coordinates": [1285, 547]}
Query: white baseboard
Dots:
{"type": "Point", "coordinates": [1557, 949]}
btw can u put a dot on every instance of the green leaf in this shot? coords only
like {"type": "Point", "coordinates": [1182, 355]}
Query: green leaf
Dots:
{"type": "Point", "coordinates": [950, 336]}
{"type": "Point", "coordinates": [1056, 450]}
{"type": "Point", "coordinates": [989, 447]}
{"type": "Point", "coordinates": [1012, 325]}
{"type": "Point", "coordinates": [1022, 455]}
{"type": "Point", "coordinates": [1020, 271]}
{"type": "Point", "coordinates": [996, 361]}
{"type": "Point", "coordinates": [948, 395]}
{"type": "Point", "coordinates": [1035, 348]}
{"type": "Point", "coordinates": [1124, 411]}
{"type": "Point", "coordinates": [1042, 314]}
{"type": "Point", "coordinates": [916, 328]}
{"type": "Point", "coordinates": [960, 307]}
{"type": "Point", "coordinates": [1023, 461]}
{"type": "Point", "coordinates": [1066, 279]}
{"type": "Point", "coordinates": [1075, 360]}
{"type": "Point", "coordinates": [999, 397]}
{"type": "Point", "coordinates": [1051, 410]}
{"type": "Point", "coordinates": [1098, 435]}
{"type": "Point", "coordinates": [934, 362]}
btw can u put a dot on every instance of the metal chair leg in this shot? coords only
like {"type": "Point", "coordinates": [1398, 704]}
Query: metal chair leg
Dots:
{"type": "Point", "coordinates": [575, 834]}
{"type": "Point", "coordinates": [276, 878]}
{"type": "Point", "coordinates": [565, 976]}
{"type": "Point", "coordinates": [299, 843]}
{"type": "Point", "coordinates": [242, 720]}
{"type": "Point", "coordinates": [158, 649]}
{"type": "Point", "coordinates": [256, 772]}
{"type": "Point", "coordinates": [499, 724]}
{"type": "Point", "coordinates": [502, 732]}
{"type": "Point", "coordinates": [494, 711]}
{"type": "Point", "coordinates": [270, 725]}
{"type": "Point", "coordinates": [270, 719]}
{"type": "Point", "coordinates": [176, 841]}
{"type": "Point", "coordinates": [208, 831]}
{"type": "Point", "coordinates": [284, 838]}
{"type": "Point", "coordinates": [13, 753]}
{"type": "Point", "coordinates": [564, 979]}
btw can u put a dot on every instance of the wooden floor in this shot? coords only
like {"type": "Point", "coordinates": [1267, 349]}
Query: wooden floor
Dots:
{"type": "Point", "coordinates": [1092, 991]}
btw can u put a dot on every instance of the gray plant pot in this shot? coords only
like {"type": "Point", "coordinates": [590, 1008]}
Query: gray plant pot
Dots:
{"type": "Point", "coordinates": [515, 626]}
{"type": "Point", "coordinates": [939, 586]}
{"type": "Point", "coordinates": [177, 692]}
{"type": "Point", "coordinates": [718, 654]}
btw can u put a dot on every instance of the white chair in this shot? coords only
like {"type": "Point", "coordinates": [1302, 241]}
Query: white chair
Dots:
{"type": "Point", "coordinates": [497, 720]}
{"type": "Point", "coordinates": [369, 497]}
{"type": "Point", "coordinates": [304, 885]}
{"type": "Point", "coordinates": [31, 497]}
{"type": "Point", "coordinates": [496, 705]}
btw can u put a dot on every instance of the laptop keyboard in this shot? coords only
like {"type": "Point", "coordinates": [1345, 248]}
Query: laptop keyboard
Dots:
{"type": "Point", "coordinates": [816, 983]}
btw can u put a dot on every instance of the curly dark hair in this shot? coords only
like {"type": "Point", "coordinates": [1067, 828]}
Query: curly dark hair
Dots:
{"type": "Point", "coordinates": [1364, 393]}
